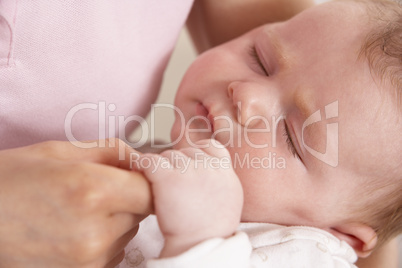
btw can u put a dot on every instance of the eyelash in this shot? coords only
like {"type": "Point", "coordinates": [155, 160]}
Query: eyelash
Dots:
{"type": "Point", "coordinates": [254, 55]}
{"type": "Point", "coordinates": [289, 141]}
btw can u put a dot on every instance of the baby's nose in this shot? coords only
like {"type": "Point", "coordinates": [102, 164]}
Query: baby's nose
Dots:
{"type": "Point", "coordinates": [249, 101]}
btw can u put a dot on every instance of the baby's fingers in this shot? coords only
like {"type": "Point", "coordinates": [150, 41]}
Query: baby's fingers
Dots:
{"type": "Point", "coordinates": [151, 165]}
{"type": "Point", "coordinates": [213, 148]}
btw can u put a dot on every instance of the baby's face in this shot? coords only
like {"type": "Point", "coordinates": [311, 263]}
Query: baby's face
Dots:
{"type": "Point", "coordinates": [343, 128]}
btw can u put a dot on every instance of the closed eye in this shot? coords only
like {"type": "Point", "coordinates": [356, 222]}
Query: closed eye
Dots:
{"type": "Point", "coordinates": [254, 55]}
{"type": "Point", "coordinates": [289, 142]}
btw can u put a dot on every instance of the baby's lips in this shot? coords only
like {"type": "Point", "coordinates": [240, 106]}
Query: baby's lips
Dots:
{"type": "Point", "coordinates": [201, 110]}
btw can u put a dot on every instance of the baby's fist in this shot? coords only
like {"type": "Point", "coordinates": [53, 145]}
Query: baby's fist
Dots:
{"type": "Point", "coordinates": [197, 194]}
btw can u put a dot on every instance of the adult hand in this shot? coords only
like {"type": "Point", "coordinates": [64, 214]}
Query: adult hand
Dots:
{"type": "Point", "coordinates": [63, 206]}
{"type": "Point", "coordinates": [197, 194]}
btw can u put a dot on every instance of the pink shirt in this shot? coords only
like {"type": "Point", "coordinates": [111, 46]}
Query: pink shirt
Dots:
{"type": "Point", "coordinates": [81, 64]}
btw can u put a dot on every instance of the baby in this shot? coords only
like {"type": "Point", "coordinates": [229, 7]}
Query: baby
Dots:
{"type": "Point", "coordinates": [309, 112]}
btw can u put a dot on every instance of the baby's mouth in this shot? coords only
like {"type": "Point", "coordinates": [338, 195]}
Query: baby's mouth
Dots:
{"type": "Point", "coordinates": [201, 110]}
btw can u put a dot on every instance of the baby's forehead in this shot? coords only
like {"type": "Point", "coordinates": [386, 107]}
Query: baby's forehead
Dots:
{"type": "Point", "coordinates": [328, 24]}
{"type": "Point", "coordinates": [339, 12]}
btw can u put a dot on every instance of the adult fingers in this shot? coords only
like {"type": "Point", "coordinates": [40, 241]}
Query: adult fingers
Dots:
{"type": "Point", "coordinates": [112, 151]}
{"type": "Point", "coordinates": [109, 189]}
{"type": "Point", "coordinates": [127, 191]}
{"type": "Point", "coordinates": [213, 147]}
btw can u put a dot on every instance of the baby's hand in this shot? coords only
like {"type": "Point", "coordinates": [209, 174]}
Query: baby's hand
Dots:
{"type": "Point", "coordinates": [196, 192]}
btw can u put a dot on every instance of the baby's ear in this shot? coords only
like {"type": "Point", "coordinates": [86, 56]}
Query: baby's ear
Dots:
{"type": "Point", "coordinates": [361, 237]}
